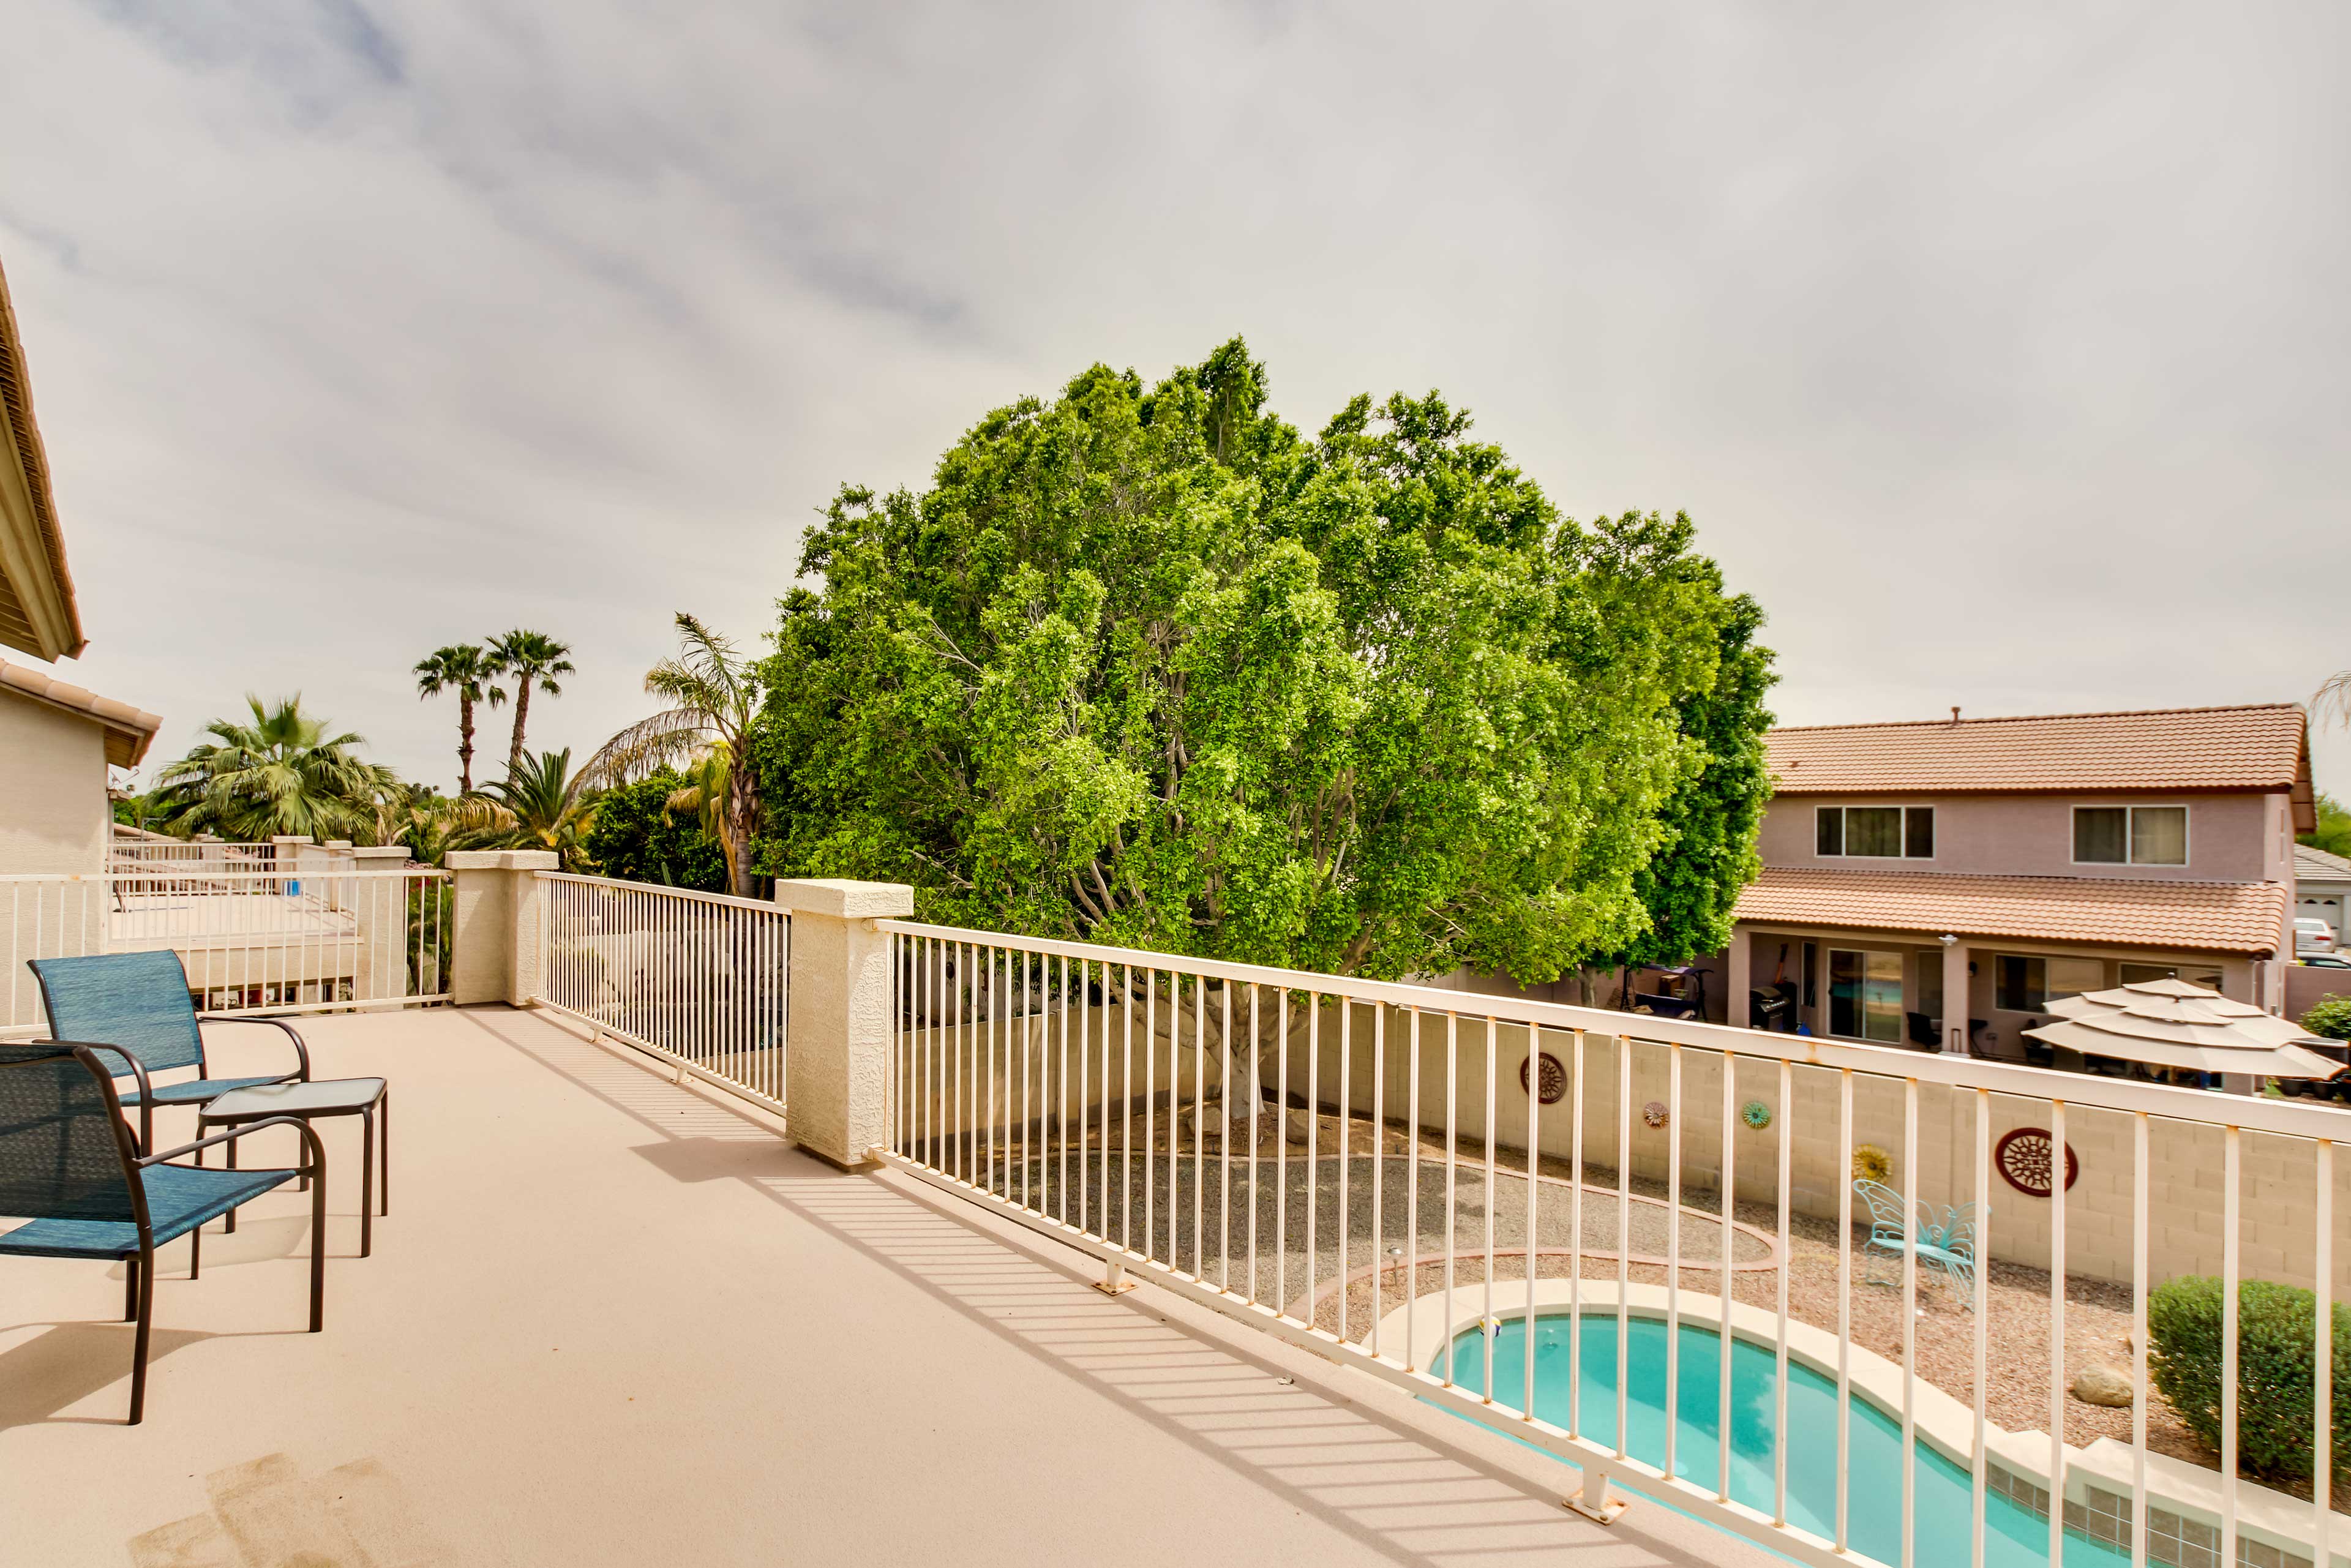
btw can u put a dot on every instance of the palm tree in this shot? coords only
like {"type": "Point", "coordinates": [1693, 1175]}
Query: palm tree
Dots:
{"type": "Point", "coordinates": [282, 773]}
{"type": "Point", "coordinates": [714, 696]}
{"type": "Point", "coordinates": [462, 668]}
{"type": "Point", "coordinates": [539, 805]}
{"type": "Point", "coordinates": [421, 819]}
{"type": "Point", "coordinates": [703, 797]}
{"type": "Point", "coordinates": [529, 658]}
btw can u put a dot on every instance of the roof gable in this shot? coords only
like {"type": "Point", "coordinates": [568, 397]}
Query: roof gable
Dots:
{"type": "Point", "coordinates": [37, 613]}
{"type": "Point", "coordinates": [129, 730]}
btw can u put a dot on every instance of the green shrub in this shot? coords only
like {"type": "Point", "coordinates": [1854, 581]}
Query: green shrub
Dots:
{"type": "Point", "coordinates": [2331, 1018]}
{"type": "Point", "coordinates": [636, 838]}
{"type": "Point", "coordinates": [2276, 1370]}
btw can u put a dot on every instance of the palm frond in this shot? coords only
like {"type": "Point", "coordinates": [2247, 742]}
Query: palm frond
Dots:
{"type": "Point", "coordinates": [649, 744]}
{"type": "Point", "coordinates": [2332, 698]}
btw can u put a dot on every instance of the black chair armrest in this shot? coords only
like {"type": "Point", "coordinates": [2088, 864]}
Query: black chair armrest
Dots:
{"type": "Point", "coordinates": [138, 1071]}
{"type": "Point", "coordinates": [300, 1049]}
{"type": "Point", "coordinates": [316, 1164]}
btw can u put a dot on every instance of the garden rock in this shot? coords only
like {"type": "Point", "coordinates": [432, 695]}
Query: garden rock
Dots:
{"type": "Point", "coordinates": [2107, 1385]}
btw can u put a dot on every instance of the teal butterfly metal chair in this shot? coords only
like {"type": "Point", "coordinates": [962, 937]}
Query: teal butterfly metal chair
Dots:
{"type": "Point", "coordinates": [67, 1165]}
{"type": "Point", "coordinates": [136, 1005]}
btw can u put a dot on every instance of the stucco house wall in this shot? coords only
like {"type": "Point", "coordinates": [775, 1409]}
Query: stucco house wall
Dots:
{"type": "Point", "coordinates": [2231, 837]}
{"type": "Point", "coordinates": [54, 816]}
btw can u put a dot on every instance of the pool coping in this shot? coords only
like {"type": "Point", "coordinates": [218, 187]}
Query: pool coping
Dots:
{"type": "Point", "coordinates": [1941, 1421]}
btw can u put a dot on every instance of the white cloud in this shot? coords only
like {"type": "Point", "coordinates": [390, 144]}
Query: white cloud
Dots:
{"type": "Point", "coordinates": [2001, 355]}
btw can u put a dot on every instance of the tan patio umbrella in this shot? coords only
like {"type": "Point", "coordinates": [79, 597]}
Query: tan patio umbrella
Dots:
{"type": "Point", "coordinates": [2170, 1023]}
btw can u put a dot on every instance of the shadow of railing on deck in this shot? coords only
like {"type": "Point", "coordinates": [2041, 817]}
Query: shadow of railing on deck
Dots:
{"type": "Point", "coordinates": [1405, 1497]}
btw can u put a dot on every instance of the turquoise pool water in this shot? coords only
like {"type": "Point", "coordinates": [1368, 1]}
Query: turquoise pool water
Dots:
{"type": "Point", "coordinates": [2014, 1536]}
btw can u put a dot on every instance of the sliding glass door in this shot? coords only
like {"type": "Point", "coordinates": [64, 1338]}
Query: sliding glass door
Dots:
{"type": "Point", "coordinates": [1865, 996]}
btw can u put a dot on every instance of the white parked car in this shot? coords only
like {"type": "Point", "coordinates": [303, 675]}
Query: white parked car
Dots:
{"type": "Point", "coordinates": [2312, 935]}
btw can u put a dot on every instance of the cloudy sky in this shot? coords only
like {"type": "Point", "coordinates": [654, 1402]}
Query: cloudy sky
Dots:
{"type": "Point", "coordinates": [2001, 355]}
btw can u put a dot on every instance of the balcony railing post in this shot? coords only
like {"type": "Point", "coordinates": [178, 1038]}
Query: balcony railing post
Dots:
{"type": "Point", "coordinates": [837, 1003]}
{"type": "Point", "coordinates": [498, 930]}
{"type": "Point", "coordinates": [380, 909]}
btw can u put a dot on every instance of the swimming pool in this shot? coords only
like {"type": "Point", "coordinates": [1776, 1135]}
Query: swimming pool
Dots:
{"type": "Point", "coordinates": [2014, 1536]}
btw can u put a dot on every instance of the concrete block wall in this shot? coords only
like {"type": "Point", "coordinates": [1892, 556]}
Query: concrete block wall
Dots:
{"type": "Point", "coordinates": [2278, 1199]}
{"type": "Point", "coordinates": [2183, 1191]}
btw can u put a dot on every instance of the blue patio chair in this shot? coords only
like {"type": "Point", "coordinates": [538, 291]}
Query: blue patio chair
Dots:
{"type": "Point", "coordinates": [67, 1165]}
{"type": "Point", "coordinates": [136, 1005]}
{"type": "Point", "coordinates": [1948, 1246]}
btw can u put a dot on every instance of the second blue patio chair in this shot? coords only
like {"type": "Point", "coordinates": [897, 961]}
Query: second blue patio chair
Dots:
{"type": "Point", "coordinates": [136, 1007]}
{"type": "Point", "coordinates": [67, 1165]}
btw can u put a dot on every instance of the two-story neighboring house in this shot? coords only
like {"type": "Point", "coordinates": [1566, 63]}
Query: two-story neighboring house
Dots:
{"type": "Point", "coordinates": [2010, 860]}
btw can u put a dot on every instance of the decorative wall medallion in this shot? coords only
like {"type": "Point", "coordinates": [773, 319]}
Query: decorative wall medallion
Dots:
{"type": "Point", "coordinates": [1871, 1163]}
{"type": "Point", "coordinates": [1555, 1077]}
{"type": "Point", "coordinates": [2024, 1161]}
{"type": "Point", "coordinates": [1756, 1115]}
{"type": "Point", "coordinates": [1653, 1113]}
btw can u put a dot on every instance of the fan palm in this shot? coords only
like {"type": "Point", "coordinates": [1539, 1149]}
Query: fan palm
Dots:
{"type": "Point", "coordinates": [465, 669]}
{"type": "Point", "coordinates": [713, 697]}
{"type": "Point", "coordinates": [539, 805]}
{"type": "Point", "coordinates": [281, 773]}
{"type": "Point", "coordinates": [528, 658]}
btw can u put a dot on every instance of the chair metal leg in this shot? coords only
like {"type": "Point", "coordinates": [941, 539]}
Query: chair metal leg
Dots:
{"type": "Point", "coordinates": [231, 1149]}
{"type": "Point", "coordinates": [146, 1268]}
{"type": "Point", "coordinates": [130, 1289]}
{"type": "Point", "coordinates": [319, 1252]}
{"type": "Point", "coordinates": [367, 1183]}
{"type": "Point", "coordinates": [196, 1250]}
{"type": "Point", "coordinates": [383, 1151]}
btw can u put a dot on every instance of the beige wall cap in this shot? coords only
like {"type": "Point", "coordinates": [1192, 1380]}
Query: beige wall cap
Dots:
{"type": "Point", "coordinates": [502, 860]}
{"type": "Point", "coordinates": [846, 900]}
{"type": "Point", "coordinates": [382, 852]}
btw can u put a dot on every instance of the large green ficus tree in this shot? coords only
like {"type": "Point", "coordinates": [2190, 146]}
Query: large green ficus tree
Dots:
{"type": "Point", "coordinates": [1143, 665]}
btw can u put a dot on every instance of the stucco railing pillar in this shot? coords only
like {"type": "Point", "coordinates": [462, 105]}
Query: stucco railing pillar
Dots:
{"type": "Point", "coordinates": [285, 853]}
{"type": "Point", "coordinates": [1737, 967]}
{"type": "Point", "coordinates": [837, 1014]}
{"type": "Point", "coordinates": [1958, 997]}
{"type": "Point", "coordinates": [498, 927]}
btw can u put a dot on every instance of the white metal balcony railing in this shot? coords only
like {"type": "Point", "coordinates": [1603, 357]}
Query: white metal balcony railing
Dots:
{"type": "Point", "coordinates": [1102, 1095]}
{"type": "Point", "coordinates": [252, 941]}
{"type": "Point", "coordinates": [696, 978]}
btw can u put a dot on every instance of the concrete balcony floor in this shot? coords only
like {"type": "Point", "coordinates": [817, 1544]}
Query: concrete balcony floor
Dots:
{"type": "Point", "coordinates": [613, 1319]}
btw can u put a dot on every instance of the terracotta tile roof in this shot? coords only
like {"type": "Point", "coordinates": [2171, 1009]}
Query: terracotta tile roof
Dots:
{"type": "Point", "coordinates": [2258, 747]}
{"type": "Point", "coordinates": [129, 730]}
{"type": "Point", "coordinates": [2206, 917]}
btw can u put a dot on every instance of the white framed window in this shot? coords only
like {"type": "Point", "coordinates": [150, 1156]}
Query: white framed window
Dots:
{"type": "Point", "coordinates": [2130, 835]}
{"type": "Point", "coordinates": [1874, 832]}
{"type": "Point", "coordinates": [2194, 974]}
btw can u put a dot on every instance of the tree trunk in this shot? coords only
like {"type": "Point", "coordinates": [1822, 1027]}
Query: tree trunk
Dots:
{"type": "Point", "coordinates": [522, 717]}
{"type": "Point", "coordinates": [738, 822]}
{"type": "Point", "coordinates": [465, 744]}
